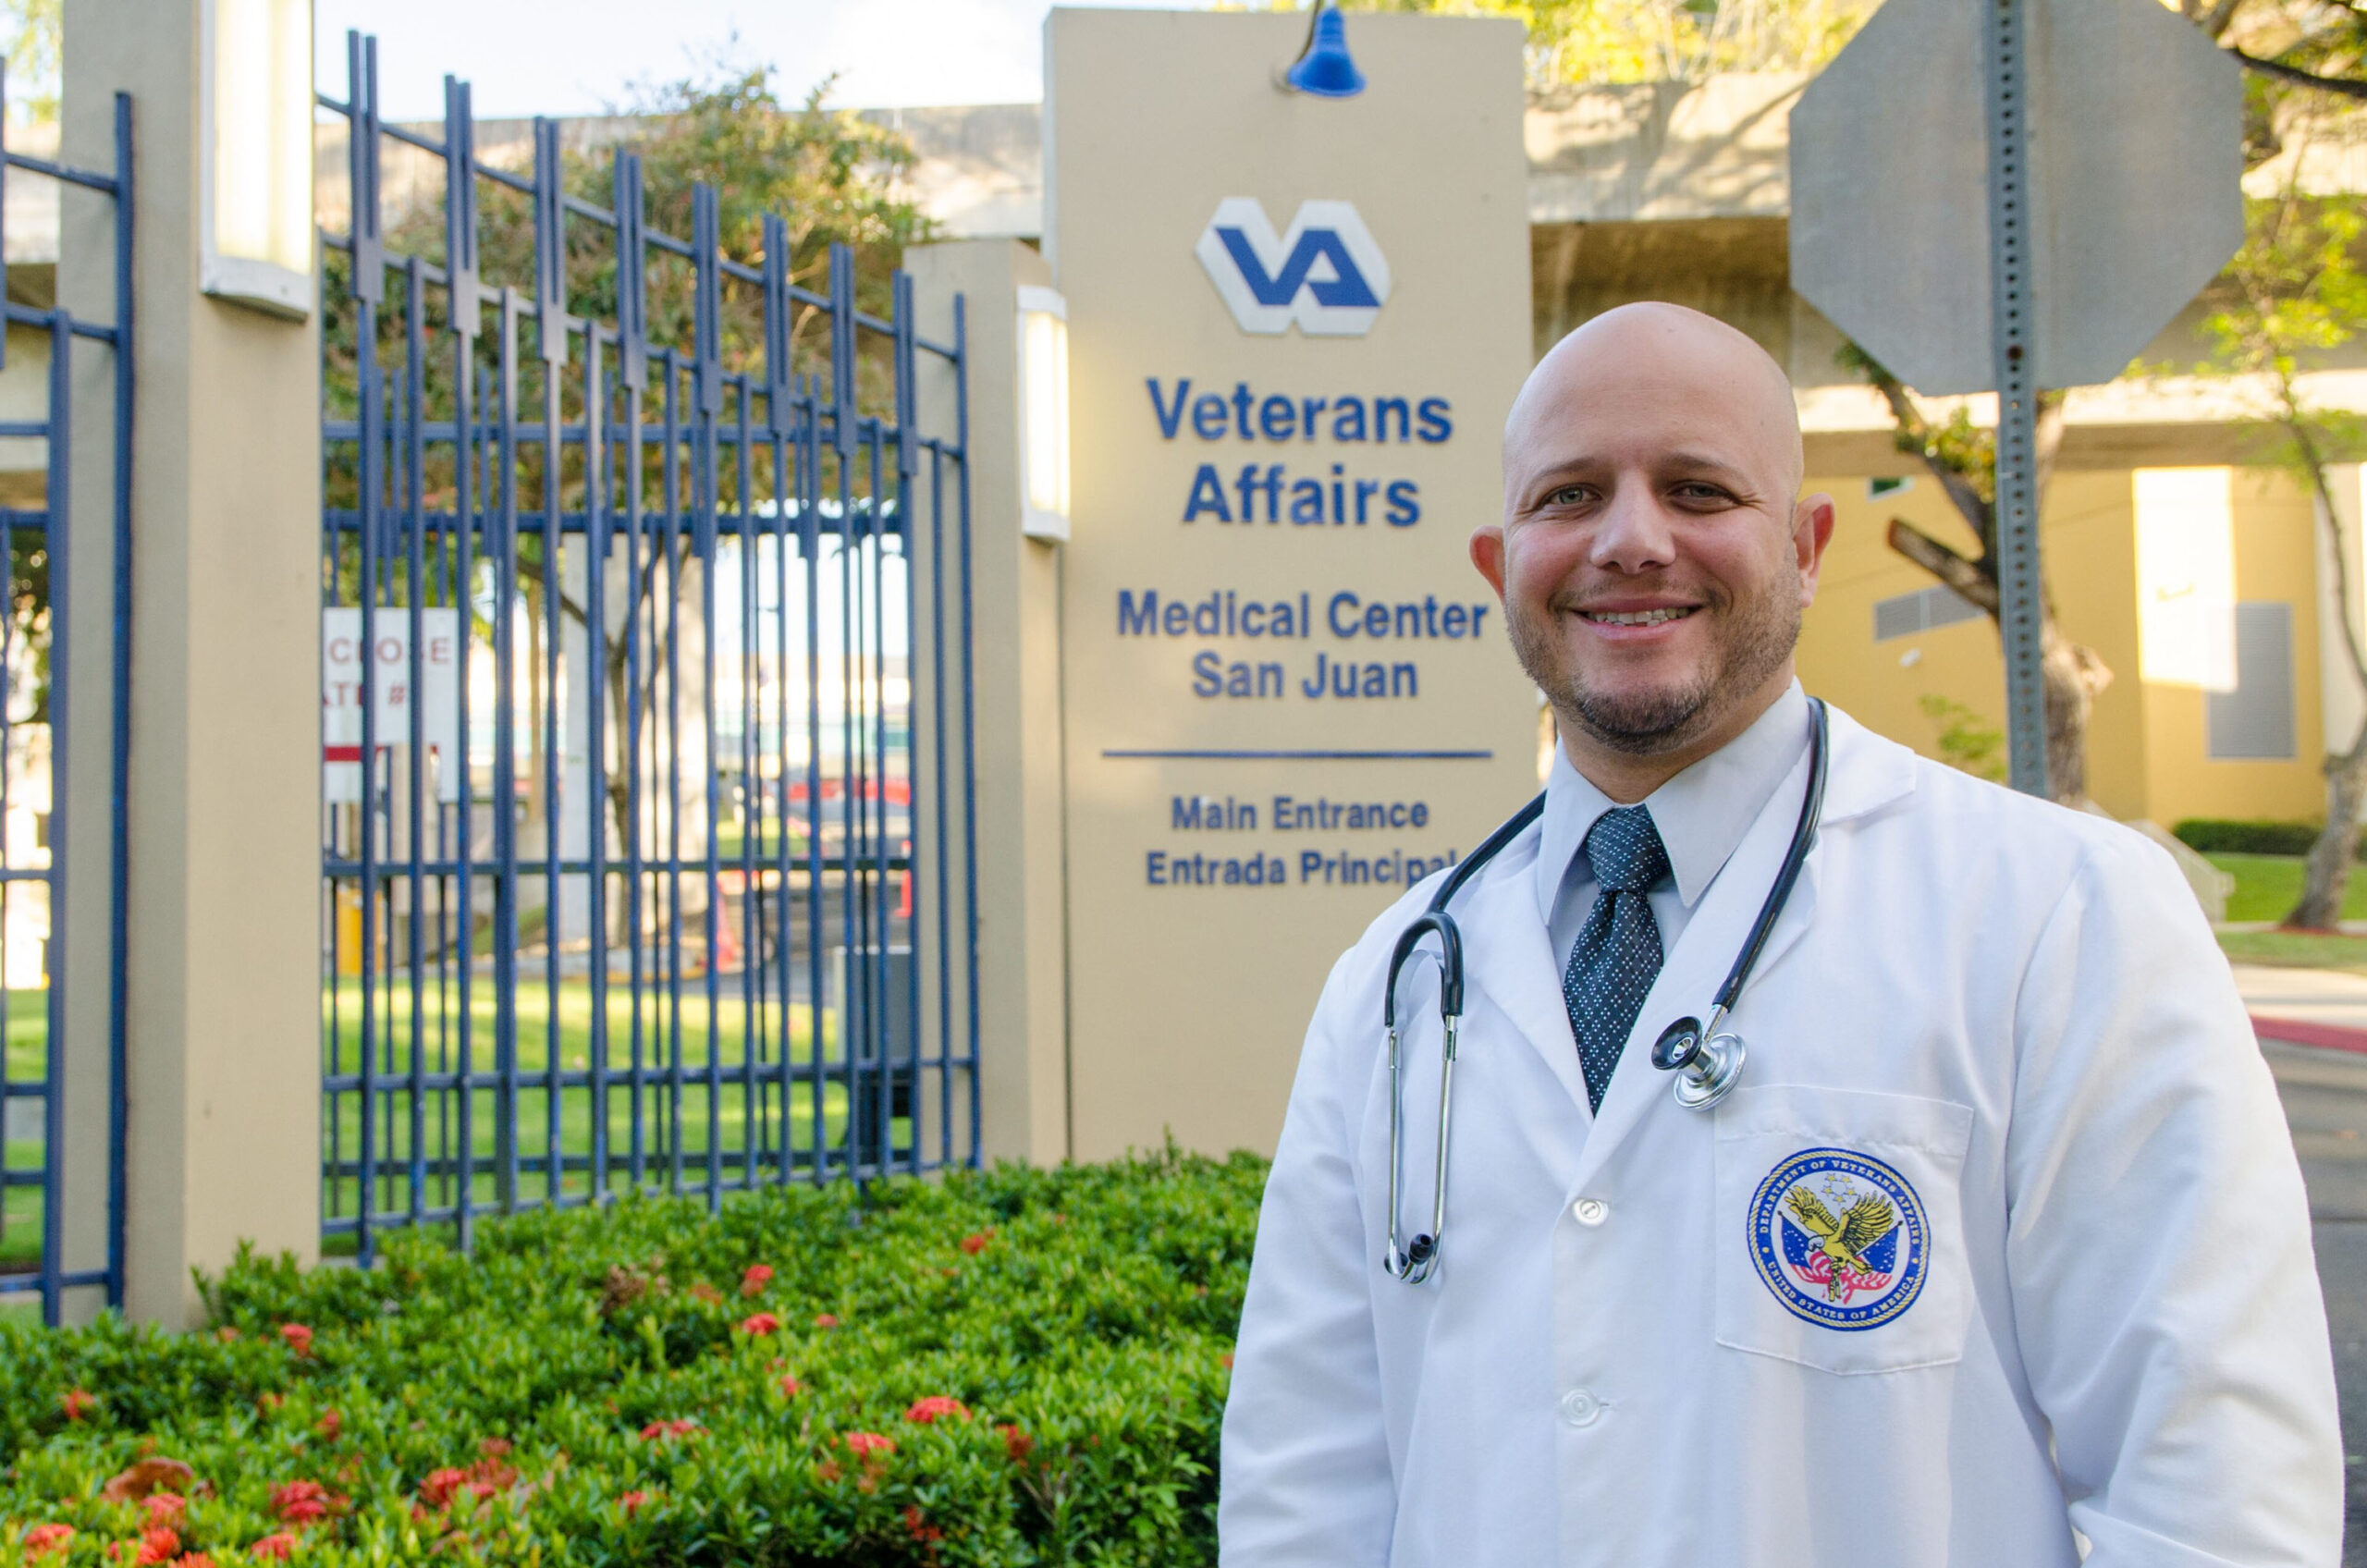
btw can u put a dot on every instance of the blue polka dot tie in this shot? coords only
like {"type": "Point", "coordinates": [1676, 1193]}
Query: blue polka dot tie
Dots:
{"type": "Point", "coordinates": [1618, 954]}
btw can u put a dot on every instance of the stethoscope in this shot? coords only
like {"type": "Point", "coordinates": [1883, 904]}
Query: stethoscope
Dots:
{"type": "Point", "coordinates": [1707, 1061]}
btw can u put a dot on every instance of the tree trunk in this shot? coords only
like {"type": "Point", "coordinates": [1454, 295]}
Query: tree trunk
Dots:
{"type": "Point", "coordinates": [2072, 672]}
{"type": "Point", "coordinates": [2073, 675]}
{"type": "Point", "coordinates": [2327, 874]}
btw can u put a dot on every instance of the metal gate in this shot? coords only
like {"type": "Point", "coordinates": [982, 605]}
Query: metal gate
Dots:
{"type": "Point", "coordinates": [643, 866]}
{"type": "Point", "coordinates": [61, 1104]}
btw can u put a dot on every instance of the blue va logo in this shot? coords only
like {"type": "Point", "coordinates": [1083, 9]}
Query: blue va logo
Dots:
{"type": "Point", "coordinates": [1325, 272]}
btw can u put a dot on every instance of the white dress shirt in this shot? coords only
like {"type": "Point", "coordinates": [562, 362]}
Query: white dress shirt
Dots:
{"type": "Point", "coordinates": [1701, 814]}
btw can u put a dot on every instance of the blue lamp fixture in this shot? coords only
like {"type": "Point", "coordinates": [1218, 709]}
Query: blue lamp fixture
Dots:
{"type": "Point", "coordinates": [1324, 69]}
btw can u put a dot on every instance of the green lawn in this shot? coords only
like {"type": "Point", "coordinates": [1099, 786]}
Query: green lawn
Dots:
{"type": "Point", "coordinates": [674, 1124]}
{"type": "Point", "coordinates": [2296, 950]}
{"type": "Point", "coordinates": [2268, 885]}
{"type": "Point", "coordinates": [27, 1046]}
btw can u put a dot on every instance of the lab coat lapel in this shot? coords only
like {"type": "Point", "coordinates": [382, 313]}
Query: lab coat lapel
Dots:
{"type": "Point", "coordinates": [1509, 958]}
{"type": "Point", "coordinates": [1695, 969]}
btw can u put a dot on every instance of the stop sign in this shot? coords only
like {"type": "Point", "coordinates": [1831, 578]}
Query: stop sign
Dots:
{"type": "Point", "coordinates": [2135, 129]}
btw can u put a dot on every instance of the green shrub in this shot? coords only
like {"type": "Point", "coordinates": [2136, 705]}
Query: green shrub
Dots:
{"type": "Point", "coordinates": [2213, 835]}
{"type": "Point", "coordinates": [596, 1386]}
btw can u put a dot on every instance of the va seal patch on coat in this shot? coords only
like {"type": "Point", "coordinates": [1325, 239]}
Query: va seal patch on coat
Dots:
{"type": "Point", "coordinates": [1840, 1238]}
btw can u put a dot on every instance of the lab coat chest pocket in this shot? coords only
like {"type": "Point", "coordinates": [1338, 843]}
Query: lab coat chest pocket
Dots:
{"type": "Point", "coordinates": [1839, 1231]}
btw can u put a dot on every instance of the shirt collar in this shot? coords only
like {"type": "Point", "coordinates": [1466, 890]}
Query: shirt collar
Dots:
{"type": "Point", "coordinates": [1701, 813]}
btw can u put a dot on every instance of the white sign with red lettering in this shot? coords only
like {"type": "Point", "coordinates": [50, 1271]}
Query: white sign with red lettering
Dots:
{"type": "Point", "coordinates": [438, 707]}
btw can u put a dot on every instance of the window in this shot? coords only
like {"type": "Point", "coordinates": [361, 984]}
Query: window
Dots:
{"type": "Point", "coordinates": [1877, 488]}
{"type": "Point", "coordinates": [2255, 719]}
{"type": "Point", "coordinates": [1923, 610]}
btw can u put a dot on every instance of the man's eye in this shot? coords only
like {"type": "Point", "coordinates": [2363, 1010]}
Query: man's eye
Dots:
{"type": "Point", "coordinates": [1568, 496]}
{"type": "Point", "coordinates": [1700, 491]}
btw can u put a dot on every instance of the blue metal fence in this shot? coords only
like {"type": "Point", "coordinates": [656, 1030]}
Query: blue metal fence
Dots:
{"type": "Point", "coordinates": [645, 864]}
{"type": "Point", "coordinates": [41, 689]}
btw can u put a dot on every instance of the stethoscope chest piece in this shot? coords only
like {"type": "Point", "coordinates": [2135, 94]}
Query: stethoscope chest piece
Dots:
{"type": "Point", "coordinates": [1707, 1066]}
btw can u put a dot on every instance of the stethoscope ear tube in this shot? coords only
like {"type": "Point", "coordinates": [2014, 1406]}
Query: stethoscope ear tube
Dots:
{"type": "Point", "coordinates": [1414, 1261]}
{"type": "Point", "coordinates": [1449, 937]}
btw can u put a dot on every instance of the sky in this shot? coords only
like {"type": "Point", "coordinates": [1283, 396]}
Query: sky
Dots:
{"type": "Point", "coordinates": [577, 56]}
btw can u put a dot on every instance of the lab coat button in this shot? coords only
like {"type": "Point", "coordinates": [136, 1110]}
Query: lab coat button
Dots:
{"type": "Point", "coordinates": [1589, 1211]}
{"type": "Point", "coordinates": [1580, 1408]}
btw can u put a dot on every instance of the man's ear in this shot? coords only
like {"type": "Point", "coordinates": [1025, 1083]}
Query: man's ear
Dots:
{"type": "Point", "coordinates": [1811, 532]}
{"type": "Point", "coordinates": [1488, 554]}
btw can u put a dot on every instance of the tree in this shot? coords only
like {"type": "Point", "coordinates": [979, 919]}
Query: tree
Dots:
{"type": "Point", "coordinates": [831, 174]}
{"type": "Point", "coordinates": [2311, 43]}
{"type": "Point", "coordinates": [1963, 459]}
{"type": "Point", "coordinates": [1634, 41]}
{"type": "Point", "coordinates": [2293, 292]}
{"type": "Point", "coordinates": [35, 56]}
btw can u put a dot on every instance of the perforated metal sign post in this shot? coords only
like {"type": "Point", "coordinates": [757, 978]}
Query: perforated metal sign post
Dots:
{"type": "Point", "coordinates": [2108, 136]}
{"type": "Point", "coordinates": [2016, 506]}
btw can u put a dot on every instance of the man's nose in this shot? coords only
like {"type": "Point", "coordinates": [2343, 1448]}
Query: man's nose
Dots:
{"type": "Point", "coordinates": [1634, 534]}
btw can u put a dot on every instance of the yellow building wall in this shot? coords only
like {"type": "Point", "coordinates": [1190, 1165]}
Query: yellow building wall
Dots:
{"type": "Point", "coordinates": [2146, 753]}
{"type": "Point", "coordinates": [2276, 559]}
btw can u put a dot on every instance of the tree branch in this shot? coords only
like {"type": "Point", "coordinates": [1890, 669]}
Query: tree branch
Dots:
{"type": "Point", "coordinates": [2349, 87]}
{"type": "Point", "coordinates": [1967, 579]}
{"type": "Point", "coordinates": [1910, 421]}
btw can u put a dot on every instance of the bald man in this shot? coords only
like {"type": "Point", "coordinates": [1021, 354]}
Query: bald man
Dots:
{"type": "Point", "coordinates": [1991, 1253]}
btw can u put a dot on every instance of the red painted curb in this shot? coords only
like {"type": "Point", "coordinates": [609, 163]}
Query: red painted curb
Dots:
{"type": "Point", "coordinates": [2328, 1036]}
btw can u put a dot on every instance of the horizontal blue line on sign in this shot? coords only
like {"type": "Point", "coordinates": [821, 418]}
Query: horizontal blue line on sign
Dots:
{"type": "Point", "coordinates": [1307, 756]}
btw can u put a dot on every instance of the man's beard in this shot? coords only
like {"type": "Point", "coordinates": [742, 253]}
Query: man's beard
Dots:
{"type": "Point", "coordinates": [1646, 723]}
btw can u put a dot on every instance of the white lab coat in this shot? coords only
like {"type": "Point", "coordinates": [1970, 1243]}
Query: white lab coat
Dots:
{"type": "Point", "coordinates": [2015, 1009]}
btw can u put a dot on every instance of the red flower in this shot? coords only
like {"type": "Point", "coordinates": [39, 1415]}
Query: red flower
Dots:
{"type": "Point", "coordinates": [975, 1244]}
{"type": "Point", "coordinates": [753, 1283]}
{"type": "Point", "coordinates": [490, 1475]}
{"type": "Point", "coordinates": [298, 1338]}
{"type": "Point", "coordinates": [158, 1544]}
{"type": "Point", "coordinates": [302, 1502]}
{"type": "Point", "coordinates": [193, 1559]}
{"type": "Point", "coordinates": [43, 1540]}
{"type": "Point", "coordinates": [437, 1489]}
{"type": "Point", "coordinates": [76, 1403]}
{"type": "Point", "coordinates": [657, 1429]}
{"type": "Point", "coordinates": [866, 1445]}
{"type": "Point", "coordinates": [631, 1501]}
{"type": "Point", "coordinates": [914, 1522]}
{"type": "Point", "coordinates": [823, 1320]}
{"type": "Point", "coordinates": [329, 1426]}
{"type": "Point", "coordinates": [1016, 1443]}
{"type": "Point", "coordinates": [789, 1386]}
{"type": "Point", "coordinates": [164, 1507]}
{"type": "Point", "coordinates": [760, 1323]}
{"type": "Point", "coordinates": [277, 1545]}
{"type": "Point", "coordinates": [927, 1410]}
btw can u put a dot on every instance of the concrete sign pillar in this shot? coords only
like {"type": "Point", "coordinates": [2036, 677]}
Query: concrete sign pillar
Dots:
{"type": "Point", "coordinates": [1296, 326]}
{"type": "Point", "coordinates": [223, 956]}
{"type": "Point", "coordinates": [1015, 701]}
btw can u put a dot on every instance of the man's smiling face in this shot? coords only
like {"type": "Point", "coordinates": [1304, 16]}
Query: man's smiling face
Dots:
{"type": "Point", "coordinates": [1652, 560]}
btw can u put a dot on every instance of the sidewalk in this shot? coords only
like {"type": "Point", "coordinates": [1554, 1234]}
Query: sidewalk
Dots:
{"type": "Point", "coordinates": [2307, 1006]}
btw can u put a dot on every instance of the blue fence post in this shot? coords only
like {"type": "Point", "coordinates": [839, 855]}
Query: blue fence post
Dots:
{"type": "Point", "coordinates": [801, 738]}
{"type": "Point", "coordinates": [70, 681]}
